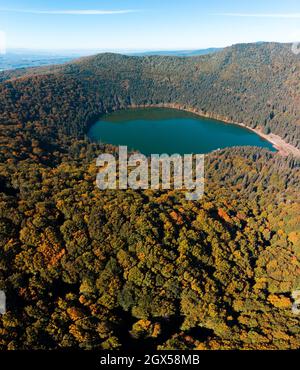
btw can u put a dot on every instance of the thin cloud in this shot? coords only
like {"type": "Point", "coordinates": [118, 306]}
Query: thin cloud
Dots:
{"type": "Point", "coordinates": [262, 15]}
{"type": "Point", "coordinates": [72, 12]}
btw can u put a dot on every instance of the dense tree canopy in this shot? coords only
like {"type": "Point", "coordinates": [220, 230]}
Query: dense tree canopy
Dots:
{"type": "Point", "coordinates": [108, 269]}
{"type": "Point", "coordinates": [255, 84]}
{"type": "Point", "coordinates": [85, 268]}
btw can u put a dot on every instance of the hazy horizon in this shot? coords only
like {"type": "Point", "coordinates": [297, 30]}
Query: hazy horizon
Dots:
{"type": "Point", "coordinates": [144, 25]}
{"type": "Point", "coordinates": [42, 50]}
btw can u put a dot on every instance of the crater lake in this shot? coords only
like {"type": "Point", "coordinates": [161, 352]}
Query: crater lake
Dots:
{"type": "Point", "coordinates": [170, 131]}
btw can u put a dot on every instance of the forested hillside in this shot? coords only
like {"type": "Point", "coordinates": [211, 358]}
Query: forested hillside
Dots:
{"type": "Point", "coordinates": [91, 269]}
{"type": "Point", "coordinates": [257, 84]}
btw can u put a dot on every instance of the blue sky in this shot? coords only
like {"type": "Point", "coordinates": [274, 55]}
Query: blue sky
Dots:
{"type": "Point", "coordinates": [146, 24]}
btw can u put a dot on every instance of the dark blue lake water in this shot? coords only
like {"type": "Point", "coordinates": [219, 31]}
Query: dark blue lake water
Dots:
{"type": "Point", "coordinates": [157, 131]}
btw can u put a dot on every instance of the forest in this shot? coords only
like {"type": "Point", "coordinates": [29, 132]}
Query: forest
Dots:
{"type": "Point", "coordinates": [254, 84]}
{"type": "Point", "coordinates": [90, 269]}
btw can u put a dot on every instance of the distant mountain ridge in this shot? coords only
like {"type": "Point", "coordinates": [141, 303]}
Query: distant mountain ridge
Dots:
{"type": "Point", "coordinates": [18, 58]}
{"type": "Point", "coordinates": [178, 53]}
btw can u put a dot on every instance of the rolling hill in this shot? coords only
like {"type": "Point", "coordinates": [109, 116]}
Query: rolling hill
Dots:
{"type": "Point", "coordinates": [255, 84]}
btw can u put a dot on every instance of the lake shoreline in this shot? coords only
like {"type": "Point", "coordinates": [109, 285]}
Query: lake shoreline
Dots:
{"type": "Point", "coordinates": [283, 148]}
